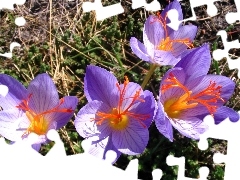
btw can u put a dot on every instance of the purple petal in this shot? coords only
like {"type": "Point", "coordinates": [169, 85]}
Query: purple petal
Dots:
{"type": "Point", "coordinates": [227, 86]}
{"type": "Point", "coordinates": [100, 148]}
{"type": "Point", "coordinates": [44, 94]}
{"type": "Point", "coordinates": [9, 120]}
{"type": "Point", "coordinates": [184, 32]}
{"type": "Point", "coordinates": [16, 93]}
{"type": "Point", "coordinates": [62, 118]}
{"type": "Point", "coordinates": [173, 5]}
{"type": "Point", "coordinates": [38, 141]}
{"type": "Point", "coordinates": [174, 92]}
{"type": "Point", "coordinates": [164, 58]}
{"type": "Point", "coordinates": [196, 63]}
{"type": "Point", "coordinates": [130, 91]}
{"type": "Point", "coordinates": [36, 146]}
{"type": "Point", "coordinates": [132, 140]}
{"type": "Point", "coordinates": [85, 123]}
{"type": "Point", "coordinates": [148, 107]}
{"type": "Point", "coordinates": [190, 128]}
{"type": "Point", "coordinates": [225, 112]}
{"type": "Point", "coordinates": [198, 111]}
{"type": "Point", "coordinates": [139, 49]}
{"type": "Point", "coordinates": [153, 32]}
{"type": "Point", "coordinates": [163, 123]}
{"type": "Point", "coordinates": [110, 146]}
{"type": "Point", "coordinates": [98, 84]}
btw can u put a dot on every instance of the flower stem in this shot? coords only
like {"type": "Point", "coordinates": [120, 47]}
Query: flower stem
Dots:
{"type": "Point", "coordinates": [149, 74]}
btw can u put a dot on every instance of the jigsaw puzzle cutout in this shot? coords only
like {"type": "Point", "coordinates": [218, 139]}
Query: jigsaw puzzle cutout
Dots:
{"type": "Point", "coordinates": [20, 155]}
{"type": "Point", "coordinates": [115, 9]}
{"type": "Point", "coordinates": [232, 17]}
{"type": "Point", "coordinates": [229, 131]}
{"type": "Point", "coordinates": [19, 21]}
{"type": "Point", "coordinates": [180, 162]}
{"type": "Point", "coordinates": [9, 3]}
{"type": "Point", "coordinates": [218, 54]}
{"type": "Point", "coordinates": [21, 158]}
{"type": "Point", "coordinates": [211, 8]}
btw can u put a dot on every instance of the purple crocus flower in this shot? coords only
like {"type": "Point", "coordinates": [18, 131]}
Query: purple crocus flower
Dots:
{"type": "Point", "coordinates": [36, 109]}
{"type": "Point", "coordinates": [163, 45]}
{"type": "Point", "coordinates": [117, 116]}
{"type": "Point", "coordinates": [187, 94]}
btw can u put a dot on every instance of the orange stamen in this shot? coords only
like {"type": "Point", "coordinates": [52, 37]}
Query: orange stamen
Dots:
{"type": "Point", "coordinates": [118, 117]}
{"type": "Point", "coordinates": [187, 100]}
{"type": "Point", "coordinates": [38, 123]}
{"type": "Point", "coordinates": [166, 44]}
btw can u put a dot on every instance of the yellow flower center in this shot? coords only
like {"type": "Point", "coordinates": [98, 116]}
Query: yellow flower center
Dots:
{"type": "Point", "coordinates": [38, 123]}
{"type": "Point", "coordinates": [118, 121]}
{"type": "Point", "coordinates": [118, 118]}
{"type": "Point", "coordinates": [175, 106]}
{"type": "Point", "coordinates": [166, 44]}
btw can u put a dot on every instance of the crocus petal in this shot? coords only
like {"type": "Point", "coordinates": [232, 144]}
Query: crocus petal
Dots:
{"type": "Point", "coordinates": [9, 120]}
{"type": "Point", "coordinates": [110, 146]}
{"type": "Point", "coordinates": [44, 94]}
{"type": "Point", "coordinates": [153, 32]}
{"type": "Point", "coordinates": [139, 49]}
{"type": "Point", "coordinates": [98, 83]}
{"type": "Point", "coordinates": [62, 118]}
{"type": "Point", "coordinates": [148, 107]}
{"type": "Point", "coordinates": [184, 32]}
{"type": "Point", "coordinates": [173, 5]}
{"type": "Point", "coordinates": [36, 146]}
{"type": "Point", "coordinates": [225, 112]}
{"type": "Point", "coordinates": [196, 63]}
{"type": "Point", "coordinates": [99, 148]}
{"type": "Point", "coordinates": [130, 91]}
{"type": "Point", "coordinates": [227, 86]}
{"type": "Point", "coordinates": [132, 140]}
{"type": "Point", "coordinates": [164, 58]}
{"type": "Point", "coordinates": [37, 143]}
{"type": "Point", "coordinates": [85, 123]}
{"type": "Point", "coordinates": [190, 128]}
{"type": "Point", "coordinates": [174, 92]}
{"type": "Point", "coordinates": [198, 111]}
{"type": "Point", "coordinates": [163, 124]}
{"type": "Point", "coordinates": [16, 92]}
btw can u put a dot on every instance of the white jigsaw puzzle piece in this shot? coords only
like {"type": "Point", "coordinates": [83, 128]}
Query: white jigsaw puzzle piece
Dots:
{"type": "Point", "coordinates": [229, 131]}
{"type": "Point", "coordinates": [3, 90]}
{"type": "Point", "coordinates": [221, 53]}
{"type": "Point", "coordinates": [19, 21]}
{"type": "Point", "coordinates": [153, 6]}
{"type": "Point", "coordinates": [232, 17]}
{"type": "Point", "coordinates": [101, 11]}
{"type": "Point", "coordinates": [12, 46]}
{"type": "Point", "coordinates": [180, 162]}
{"type": "Point", "coordinates": [21, 161]}
{"type": "Point", "coordinates": [174, 22]}
{"type": "Point", "coordinates": [211, 8]}
{"type": "Point", "coordinates": [9, 3]}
